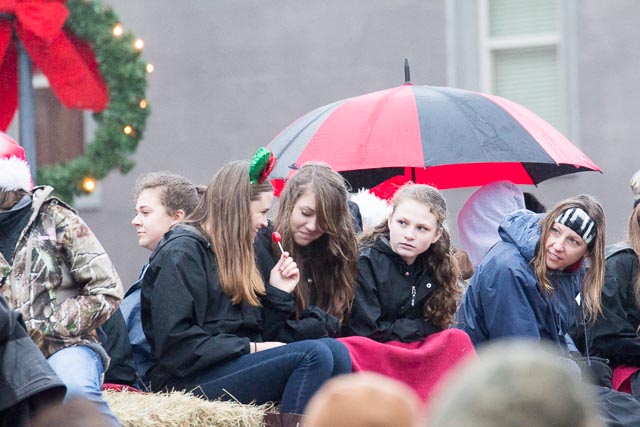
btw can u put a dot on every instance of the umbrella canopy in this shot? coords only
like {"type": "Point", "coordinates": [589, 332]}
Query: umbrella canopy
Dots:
{"type": "Point", "coordinates": [445, 137]}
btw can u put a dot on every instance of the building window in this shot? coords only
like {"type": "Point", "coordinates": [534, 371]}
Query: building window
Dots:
{"type": "Point", "coordinates": [521, 55]}
{"type": "Point", "coordinates": [61, 133]}
{"type": "Point", "coordinates": [59, 130]}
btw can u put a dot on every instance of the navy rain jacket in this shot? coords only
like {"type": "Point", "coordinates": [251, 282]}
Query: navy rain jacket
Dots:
{"type": "Point", "coordinates": [504, 298]}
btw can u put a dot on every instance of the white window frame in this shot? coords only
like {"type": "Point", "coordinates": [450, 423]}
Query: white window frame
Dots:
{"type": "Point", "coordinates": [562, 40]}
{"type": "Point", "coordinates": [488, 44]}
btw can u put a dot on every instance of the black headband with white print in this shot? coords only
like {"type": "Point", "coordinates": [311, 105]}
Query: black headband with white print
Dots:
{"type": "Point", "coordinates": [580, 222]}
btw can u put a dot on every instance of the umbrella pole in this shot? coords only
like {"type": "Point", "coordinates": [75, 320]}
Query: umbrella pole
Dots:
{"type": "Point", "coordinates": [26, 106]}
{"type": "Point", "coordinates": [407, 73]}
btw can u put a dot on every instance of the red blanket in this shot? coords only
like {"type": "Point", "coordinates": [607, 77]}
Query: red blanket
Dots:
{"type": "Point", "coordinates": [421, 364]}
{"type": "Point", "coordinates": [622, 377]}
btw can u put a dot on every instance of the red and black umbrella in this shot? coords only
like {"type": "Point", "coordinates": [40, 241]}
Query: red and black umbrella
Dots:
{"type": "Point", "coordinates": [445, 137]}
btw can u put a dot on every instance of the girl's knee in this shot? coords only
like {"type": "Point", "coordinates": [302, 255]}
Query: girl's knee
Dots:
{"type": "Point", "coordinates": [319, 354]}
{"type": "Point", "coordinates": [341, 356]}
{"type": "Point", "coordinates": [341, 359]}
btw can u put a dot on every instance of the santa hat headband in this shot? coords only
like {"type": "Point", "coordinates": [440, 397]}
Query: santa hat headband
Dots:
{"type": "Point", "coordinates": [14, 169]}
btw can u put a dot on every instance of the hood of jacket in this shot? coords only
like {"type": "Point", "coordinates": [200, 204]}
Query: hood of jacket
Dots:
{"type": "Point", "coordinates": [522, 228]}
{"type": "Point", "coordinates": [481, 215]}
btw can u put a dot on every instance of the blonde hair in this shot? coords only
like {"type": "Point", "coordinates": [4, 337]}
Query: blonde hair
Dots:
{"type": "Point", "coordinates": [593, 281]}
{"type": "Point", "coordinates": [441, 307]}
{"type": "Point", "coordinates": [223, 215]}
{"type": "Point", "coordinates": [363, 399]}
{"type": "Point", "coordinates": [634, 183]}
{"type": "Point", "coordinates": [331, 261]}
{"type": "Point", "coordinates": [633, 236]}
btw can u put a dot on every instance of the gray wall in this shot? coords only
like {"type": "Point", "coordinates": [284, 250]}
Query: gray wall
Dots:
{"type": "Point", "coordinates": [609, 88]}
{"type": "Point", "coordinates": [230, 74]}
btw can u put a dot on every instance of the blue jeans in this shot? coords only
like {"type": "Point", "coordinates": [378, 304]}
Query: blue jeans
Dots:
{"type": "Point", "coordinates": [290, 374]}
{"type": "Point", "coordinates": [80, 369]}
{"type": "Point", "coordinates": [131, 311]}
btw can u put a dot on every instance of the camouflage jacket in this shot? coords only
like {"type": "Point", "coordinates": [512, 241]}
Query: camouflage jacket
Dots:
{"type": "Point", "coordinates": [61, 280]}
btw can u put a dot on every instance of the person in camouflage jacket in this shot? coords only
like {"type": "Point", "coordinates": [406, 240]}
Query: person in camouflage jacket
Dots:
{"type": "Point", "coordinates": [61, 280]}
{"type": "Point", "coordinates": [55, 272]}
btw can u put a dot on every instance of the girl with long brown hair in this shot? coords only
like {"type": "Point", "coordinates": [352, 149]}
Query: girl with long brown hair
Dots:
{"type": "Point", "coordinates": [317, 230]}
{"type": "Point", "coordinates": [202, 307]}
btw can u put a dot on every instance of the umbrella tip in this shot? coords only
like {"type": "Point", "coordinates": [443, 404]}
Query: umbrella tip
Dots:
{"type": "Point", "coordinates": [407, 73]}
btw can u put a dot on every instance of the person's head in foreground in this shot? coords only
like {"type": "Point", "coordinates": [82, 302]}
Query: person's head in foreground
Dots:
{"type": "Point", "coordinates": [364, 399]}
{"type": "Point", "coordinates": [513, 384]}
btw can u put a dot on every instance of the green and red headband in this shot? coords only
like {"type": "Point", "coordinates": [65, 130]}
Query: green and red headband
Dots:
{"type": "Point", "coordinates": [261, 165]}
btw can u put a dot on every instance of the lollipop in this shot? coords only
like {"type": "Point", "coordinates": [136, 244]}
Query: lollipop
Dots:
{"type": "Point", "coordinates": [275, 236]}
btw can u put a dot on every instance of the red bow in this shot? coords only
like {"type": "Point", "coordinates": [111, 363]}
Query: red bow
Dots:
{"type": "Point", "coordinates": [67, 61]}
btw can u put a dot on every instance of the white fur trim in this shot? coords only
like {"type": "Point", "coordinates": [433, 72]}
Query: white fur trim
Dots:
{"type": "Point", "coordinates": [372, 208]}
{"type": "Point", "coordinates": [15, 174]}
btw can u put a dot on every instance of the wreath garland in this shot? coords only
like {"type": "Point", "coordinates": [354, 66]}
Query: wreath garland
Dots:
{"type": "Point", "coordinates": [121, 125]}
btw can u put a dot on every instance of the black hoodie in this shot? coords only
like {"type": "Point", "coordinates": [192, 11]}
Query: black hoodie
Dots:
{"type": "Point", "coordinates": [190, 323]}
{"type": "Point", "coordinates": [389, 303]}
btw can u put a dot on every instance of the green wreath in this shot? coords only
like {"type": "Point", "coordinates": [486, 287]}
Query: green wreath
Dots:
{"type": "Point", "coordinates": [121, 125]}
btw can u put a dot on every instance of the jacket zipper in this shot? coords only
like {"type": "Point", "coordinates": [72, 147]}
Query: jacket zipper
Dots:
{"type": "Point", "coordinates": [413, 295]}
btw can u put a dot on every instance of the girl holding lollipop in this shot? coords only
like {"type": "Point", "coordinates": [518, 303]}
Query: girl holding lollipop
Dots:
{"type": "Point", "coordinates": [316, 228]}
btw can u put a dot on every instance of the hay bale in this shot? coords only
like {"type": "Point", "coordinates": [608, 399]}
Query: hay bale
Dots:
{"type": "Point", "coordinates": [180, 409]}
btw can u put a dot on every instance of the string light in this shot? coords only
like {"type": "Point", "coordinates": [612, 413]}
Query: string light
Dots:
{"type": "Point", "coordinates": [128, 130]}
{"type": "Point", "coordinates": [89, 184]}
{"type": "Point", "coordinates": [143, 103]}
{"type": "Point", "coordinates": [150, 68]}
{"type": "Point", "coordinates": [138, 44]}
{"type": "Point", "coordinates": [118, 30]}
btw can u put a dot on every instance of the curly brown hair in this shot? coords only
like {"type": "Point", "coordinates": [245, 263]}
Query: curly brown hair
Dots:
{"type": "Point", "coordinates": [438, 259]}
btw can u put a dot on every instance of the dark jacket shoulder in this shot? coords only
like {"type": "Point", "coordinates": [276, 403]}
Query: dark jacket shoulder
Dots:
{"type": "Point", "coordinates": [391, 295]}
{"type": "Point", "coordinates": [24, 372]}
